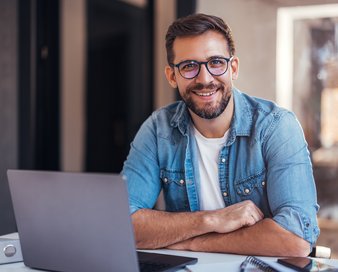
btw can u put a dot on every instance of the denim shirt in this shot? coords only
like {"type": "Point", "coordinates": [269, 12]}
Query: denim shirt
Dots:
{"type": "Point", "coordinates": [265, 160]}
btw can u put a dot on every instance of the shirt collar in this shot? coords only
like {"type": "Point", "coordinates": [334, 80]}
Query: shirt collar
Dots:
{"type": "Point", "coordinates": [243, 114]}
{"type": "Point", "coordinates": [181, 118]}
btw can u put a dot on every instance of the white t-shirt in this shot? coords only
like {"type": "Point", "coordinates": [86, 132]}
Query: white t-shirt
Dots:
{"type": "Point", "coordinates": [208, 156]}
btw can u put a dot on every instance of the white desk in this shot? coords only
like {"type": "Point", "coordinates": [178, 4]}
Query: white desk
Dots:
{"type": "Point", "coordinates": [206, 262]}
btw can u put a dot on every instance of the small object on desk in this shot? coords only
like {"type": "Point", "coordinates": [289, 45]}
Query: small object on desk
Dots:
{"type": "Point", "coordinates": [10, 251]}
{"type": "Point", "coordinates": [306, 264]}
{"type": "Point", "coordinates": [257, 263]}
{"type": "Point", "coordinates": [321, 252]}
{"type": "Point", "coordinates": [243, 265]}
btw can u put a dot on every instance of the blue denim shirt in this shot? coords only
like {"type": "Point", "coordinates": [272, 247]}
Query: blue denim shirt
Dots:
{"type": "Point", "coordinates": [265, 160]}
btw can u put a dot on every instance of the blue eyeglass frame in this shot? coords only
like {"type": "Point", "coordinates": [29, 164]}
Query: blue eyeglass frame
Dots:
{"type": "Point", "coordinates": [206, 66]}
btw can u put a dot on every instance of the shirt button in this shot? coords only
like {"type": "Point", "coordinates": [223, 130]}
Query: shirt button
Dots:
{"type": "Point", "coordinates": [181, 181]}
{"type": "Point", "coordinates": [263, 183]}
{"type": "Point", "coordinates": [246, 190]}
{"type": "Point", "coordinates": [165, 180]}
{"type": "Point", "coordinates": [225, 194]}
{"type": "Point", "coordinates": [223, 160]}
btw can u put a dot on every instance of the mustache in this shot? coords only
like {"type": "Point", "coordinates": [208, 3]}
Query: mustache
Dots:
{"type": "Point", "coordinates": [200, 86]}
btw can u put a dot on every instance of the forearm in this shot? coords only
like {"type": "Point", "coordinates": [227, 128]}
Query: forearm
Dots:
{"type": "Point", "coordinates": [158, 229]}
{"type": "Point", "coordinates": [264, 238]}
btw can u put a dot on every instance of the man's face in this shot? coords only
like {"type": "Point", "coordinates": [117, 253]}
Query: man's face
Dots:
{"type": "Point", "coordinates": [206, 95]}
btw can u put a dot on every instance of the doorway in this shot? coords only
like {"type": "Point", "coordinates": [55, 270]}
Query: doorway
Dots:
{"type": "Point", "coordinates": [119, 80]}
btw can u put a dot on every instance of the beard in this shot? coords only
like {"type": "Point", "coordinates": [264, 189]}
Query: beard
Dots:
{"type": "Point", "coordinates": [208, 111]}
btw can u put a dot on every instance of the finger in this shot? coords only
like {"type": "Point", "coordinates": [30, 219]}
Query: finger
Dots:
{"type": "Point", "coordinates": [256, 210]}
{"type": "Point", "coordinates": [256, 217]}
{"type": "Point", "coordinates": [257, 214]}
{"type": "Point", "coordinates": [250, 221]}
{"type": "Point", "coordinates": [261, 214]}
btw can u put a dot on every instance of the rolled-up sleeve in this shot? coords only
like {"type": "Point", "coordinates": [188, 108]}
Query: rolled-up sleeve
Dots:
{"type": "Point", "coordinates": [291, 188]}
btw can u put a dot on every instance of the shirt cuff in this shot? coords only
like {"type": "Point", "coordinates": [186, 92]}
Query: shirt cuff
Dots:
{"type": "Point", "coordinates": [298, 223]}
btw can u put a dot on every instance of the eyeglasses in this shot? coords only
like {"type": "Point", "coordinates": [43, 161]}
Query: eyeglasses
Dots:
{"type": "Point", "coordinates": [189, 69]}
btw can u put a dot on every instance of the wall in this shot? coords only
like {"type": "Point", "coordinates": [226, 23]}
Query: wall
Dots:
{"type": "Point", "coordinates": [8, 108]}
{"type": "Point", "coordinates": [72, 71]}
{"type": "Point", "coordinates": [254, 29]}
{"type": "Point", "coordinates": [164, 15]}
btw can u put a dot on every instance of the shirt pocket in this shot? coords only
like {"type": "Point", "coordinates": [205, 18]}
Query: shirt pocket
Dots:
{"type": "Point", "coordinates": [174, 190]}
{"type": "Point", "coordinates": [253, 188]}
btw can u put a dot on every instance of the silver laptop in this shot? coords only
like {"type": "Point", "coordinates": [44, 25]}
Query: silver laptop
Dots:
{"type": "Point", "coordinates": [79, 222]}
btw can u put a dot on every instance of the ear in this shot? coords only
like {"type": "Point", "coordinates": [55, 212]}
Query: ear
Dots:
{"type": "Point", "coordinates": [170, 75]}
{"type": "Point", "coordinates": [234, 68]}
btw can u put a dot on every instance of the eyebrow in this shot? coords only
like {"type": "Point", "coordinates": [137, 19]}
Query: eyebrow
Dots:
{"type": "Point", "coordinates": [207, 59]}
{"type": "Point", "coordinates": [215, 57]}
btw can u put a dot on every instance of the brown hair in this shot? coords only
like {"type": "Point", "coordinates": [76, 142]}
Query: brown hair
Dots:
{"type": "Point", "coordinates": [197, 24]}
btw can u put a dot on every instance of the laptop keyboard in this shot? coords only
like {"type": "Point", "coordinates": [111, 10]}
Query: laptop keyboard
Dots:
{"type": "Point", "coordinates": [153, 266]}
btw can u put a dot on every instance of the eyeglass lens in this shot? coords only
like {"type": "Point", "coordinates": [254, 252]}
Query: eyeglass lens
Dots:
{"type": "Point", "coordinates": [190, 69]}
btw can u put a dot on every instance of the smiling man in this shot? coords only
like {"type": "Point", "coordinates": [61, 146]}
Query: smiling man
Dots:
{"type": "Point", "coordinates": [234, 169]}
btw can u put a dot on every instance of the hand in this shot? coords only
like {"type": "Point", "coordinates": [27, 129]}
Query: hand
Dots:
{"type": "Point", "coordinates": [234, 217]}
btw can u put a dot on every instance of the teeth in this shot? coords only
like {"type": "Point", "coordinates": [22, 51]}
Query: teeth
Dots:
{"type": "Point", "coordinates": [206, 94]}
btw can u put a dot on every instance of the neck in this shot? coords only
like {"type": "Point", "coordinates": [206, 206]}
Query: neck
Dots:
{"type": "Point", "coordinates": [214, 128]}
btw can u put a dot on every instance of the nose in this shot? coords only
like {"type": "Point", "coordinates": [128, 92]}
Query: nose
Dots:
{"type": "Point", "coordinates": [204, 76]}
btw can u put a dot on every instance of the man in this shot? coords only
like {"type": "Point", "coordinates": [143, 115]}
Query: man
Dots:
{"type": "Point", "coordinates": [234, 169]}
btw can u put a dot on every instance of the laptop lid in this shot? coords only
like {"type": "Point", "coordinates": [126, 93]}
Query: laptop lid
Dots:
{"type": "Point", "coordinates": [73, 221]}
{"type": "Point", "coordinates": [79, 222]}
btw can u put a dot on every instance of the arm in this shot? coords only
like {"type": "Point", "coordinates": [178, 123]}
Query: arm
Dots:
{"type": "Point", "coordinates": [157, 229]}
{"type": "Point", "coordinates": [290, 184]}
{"type": "Point", "coordinates": [274, 241]}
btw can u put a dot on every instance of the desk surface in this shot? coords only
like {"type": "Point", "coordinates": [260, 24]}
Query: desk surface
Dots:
{"type": "Point", "coordinates": [206, 262]}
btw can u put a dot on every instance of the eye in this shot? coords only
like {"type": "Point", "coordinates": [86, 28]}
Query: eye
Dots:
{"type": "Point", "coordinates": [188, 66]}
{"type": "Point", "coordinates": [217, 62]}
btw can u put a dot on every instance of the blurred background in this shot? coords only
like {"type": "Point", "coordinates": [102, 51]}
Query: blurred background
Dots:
{"type": "Point", "coordinates": [78, 78]}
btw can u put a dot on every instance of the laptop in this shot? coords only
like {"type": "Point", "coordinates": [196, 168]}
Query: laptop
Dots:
{"type": "Point", "coordinates": [79, 222]}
